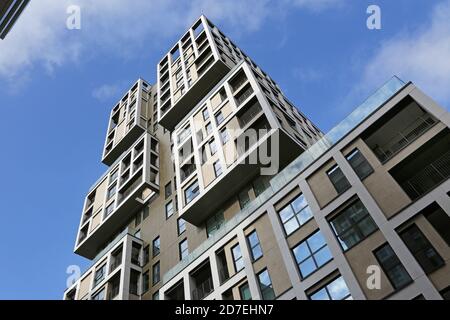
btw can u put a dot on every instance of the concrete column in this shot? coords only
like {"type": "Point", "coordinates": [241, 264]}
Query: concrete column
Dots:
{"type": "Point", "coordinates": [291, 266]}
{"type": "Point", "coordinates": [333, 244]}
{"type": "Point", "coordinates": [248, 266]}
{"type": "Point", "coordinates": [400, 249]}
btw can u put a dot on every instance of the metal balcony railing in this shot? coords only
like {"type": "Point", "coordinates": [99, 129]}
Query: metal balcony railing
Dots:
{"type": "Point", "coordinates": [429, 177]}
{"type": "Point", "coordinates": [244, 95]}
{"type": "Point", "coordinates": [405, 137]}
{"type": "Point", "coordinates": [203, 290]}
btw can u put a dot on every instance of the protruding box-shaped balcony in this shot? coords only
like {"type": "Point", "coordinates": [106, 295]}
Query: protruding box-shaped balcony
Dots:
{"type": "Point", "coordinates": [192, 67]}
{"type": "Point", "coordinates": [132, 180]}
{"type": "Point", "coordinates": [115, 273]}
{"type": "Point", "coordinates": [232, 136]}
{"type": "Point", "coordinates": [128, 121]}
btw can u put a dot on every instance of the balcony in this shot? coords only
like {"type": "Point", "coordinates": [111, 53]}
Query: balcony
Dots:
{"type": "Point", "coordinates": [246, 167]}
{"type": "Point", "coordinates": [128, 121]}
{"type": "Point", "coordinates": [210, 71]}
{"type": "Point", "coordinates": [426, 168]}
{"type": "Point", "coordinates": [397, 129]}
{"type": "Point", "coordinates": [116, 255]}
{"type": "Point", "coordinates": [202, 282]}
{"type": "Point", "coordinates": [132, 180]}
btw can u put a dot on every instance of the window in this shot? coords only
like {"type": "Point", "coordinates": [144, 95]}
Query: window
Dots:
{"type": "Point", "coordinates": [168, 190]}
{"type": "Point", "coordinates": [191, 192]}
{"type": "Point", "coordinates": [136, 253]}
{"type": "Point", "coordinates": [99, 295]}
{"type": "Point", "coordinates": [145, 282]}
{"type": "Point", "coordinates": [208, 128]}
{"type": "Point", "coordinates": [440, 221]}
{"type": "Point", "coordinates": [156, 277]}
{"type": "Point", "coordinates": [359, 163]}
{"type": "Point", "coordinates": [134, 281]}
{"type": "Point", "coordinates": [212, 147]}
{"type": "Point", "coordinates": [112, 191]}
{"type": "Point", "coordinates": [146, 254]}
{"type": "Point", "coordinates": [445, 293]}
{"type": "Point", "coordinates": [295, 214]}
{"type": "Point", "coordinates": [181, 226]}
{"type": "Point", "coordinates": [205, 114]}
{"type": "Point", "coordinates": [156, 246]}
{"type": "Point", "coordinates": [217, 168]}
{"type": "Point", "coordinates": [265, 285]}
{"type": "Point", "coordinates": [338, 179]}
{"type": "Point", "coordinates": [312, 254]}
{"type": "Point", "coordinates": [255, 246]}
{"type": "Point", "coordinates": [353, 225]}
{"type": "Point", "coordinates": [155, 296]}
{"type": "Point", "coordinates": [392, 266]}
{"type": "Point", "coordinates": [335, 290]}
{"type": "Point", "coordinates": [109, 209]}
{"type": "Point", "coordinates": [214, 223]}
{"type": "Point", "coordinates": [184, 250]}
{"type": "Point", "coordinates": [237, 258]}
{"type": "Point", "coordinates": [244, 291]}
{"type": "Point", "coordinates": [99, 275]}
{"type": "Point", "coordinates": [422, 249]}
{"type": "Point", "coordinates": [113, 176]}
{"type": "Point", "coordinates": [169, 209]}
{"type": "Point", "coordinates": [219, 117]}
{"type": "Point", "coordinates": [224, 136]}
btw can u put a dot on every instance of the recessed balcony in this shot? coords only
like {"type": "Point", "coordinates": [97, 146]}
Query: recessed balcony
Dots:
{"type": "Point", "coordinates": [247, 166]}
{"type": "Point", "coordinates": [128, 121]}
{"type": "Point", "coordinates": [210, 72]}
{"type": "Point", "coordinates": [132, 180]}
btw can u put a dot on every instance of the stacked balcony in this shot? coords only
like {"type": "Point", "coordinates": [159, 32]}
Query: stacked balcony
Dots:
{"type": "Point", "coordinates": [191, 69]}
{"type": "Point", "coordinates": [129, 183]}
{"type": "Point", "coordinates": [128, 121]}
{"type": "Point", "coordinates": [114, 272]}
{"type": "Point", "coordinates": [224, 144]}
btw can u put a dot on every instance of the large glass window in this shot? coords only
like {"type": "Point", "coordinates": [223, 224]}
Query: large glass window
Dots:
{"type": "Point", "coordinates": [156, 277]}
{"type": "Point", "coordinates": [428, 258]}
{"type": "Point", "coordinates": [168, 190]}
{"type": "Point", "coordinates": [338, 179]}
{"type": "Point", "coordinates": [255, 246]}
{"type": "Point", "coordinates": [156, 246]}
{"type": "Point", "coordinates": [359, 164]}
{"type": "Point", "coordinates": [312, 254]}
{"type": "Point", "coordinates": [169, 209]}
{"type": "Point", "coordinates": [145, 282]}
{"type": "Point", "coordinates": [184, 250]}
{"type": "Point", "coordinates": [295, 214]}
{"type": "Point", "coordinates": [397, 274]}
{"type": "Point", "coordinates": [335, 290]}
{"type": "Point", "coordinates": [99, 275]}
{"type": "Point", "coordinates": [244, 291]}
{"type": "Point", "coordinates": [181, 226]}
{"type": "Point", "coordinates": [191, 192]}
{"type": "Point", "coordinates": [237, 258]}
{"type": "Point", "coordinates": [265, 285]}
{"type": "Point", "coordinates": [217, 168]}
{"type": "Point", "coordinates": [99, 295]}
{"type": "Point", "coordinates": [353, 225]}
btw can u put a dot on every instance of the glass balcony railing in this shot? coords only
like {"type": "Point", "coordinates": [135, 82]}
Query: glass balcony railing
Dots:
{"type": "Point", "coordinates": [375, 101]}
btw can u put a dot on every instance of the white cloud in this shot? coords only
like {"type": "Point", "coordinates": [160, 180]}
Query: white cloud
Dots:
{"type": "Point", "coordinates": [422, 56]}
{"type": "Point", "coordinates": [116, 27]}
{"type": "Point", "coordinates": [106, 92]}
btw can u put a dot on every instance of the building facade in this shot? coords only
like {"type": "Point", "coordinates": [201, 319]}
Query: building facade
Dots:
{"type": "Point", "coordinates": [10, 10]}
{"type": "Point", "coordinates": [219, 188]}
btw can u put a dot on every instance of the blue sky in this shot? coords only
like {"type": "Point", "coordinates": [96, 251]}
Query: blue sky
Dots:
{"type": "Point", "coordinates": [57, 87]}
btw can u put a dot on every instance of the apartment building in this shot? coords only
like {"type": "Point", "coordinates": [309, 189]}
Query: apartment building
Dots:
{"type": "Point", "coordinates": [10, 10]}
{"type": "Point", "coordinates": [219, 188]}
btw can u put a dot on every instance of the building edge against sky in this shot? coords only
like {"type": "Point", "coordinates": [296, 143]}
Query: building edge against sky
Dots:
{"type": "Point", "coordinates": [176, 217]}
